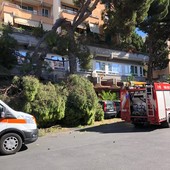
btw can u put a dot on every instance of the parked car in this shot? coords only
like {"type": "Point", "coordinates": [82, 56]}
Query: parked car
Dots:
{"type": "Point", "coordinates": [109, 108]}
{"type": "Point", "coordinates": [117, 103]}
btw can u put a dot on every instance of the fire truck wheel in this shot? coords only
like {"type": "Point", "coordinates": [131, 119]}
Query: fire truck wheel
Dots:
{"type": "Point", "coordinates": [10, 143]}
{"type": "Point", "coordinates": [138, 125]}
{"type": "Point", "coordinates": [165, 124]}
{"type": "Point", "coordinates": [118, 115]}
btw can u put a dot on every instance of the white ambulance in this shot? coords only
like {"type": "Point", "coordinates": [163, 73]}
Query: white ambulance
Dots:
{"type": "Point", "coordinates": [16, 128]}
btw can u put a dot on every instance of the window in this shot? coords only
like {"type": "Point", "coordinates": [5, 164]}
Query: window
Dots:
{"type": "Point", "coordinates": [29, 8]}
{"type": "Point", "coordinates": [114, 68]}
{"type": "Point", "coordinates": [134, 70]}
{"type": "Point", "coordinates": [57, 62]}
{"type": "Point", "coordinates": [21, 57]}
{"type": "Point", "coordinates": [45, 12]}
{"type": "Point", "coordinates": [69, 8]}
{"type": "Point", "coordinates": [127, 69]}
{"type": "Point", "coordinates": [141, 71]}
{"type": "Point", "coordinates": [100, 66]}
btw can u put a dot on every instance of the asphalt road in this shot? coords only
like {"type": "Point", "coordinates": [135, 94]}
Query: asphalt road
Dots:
{"type": "Point", "coordinates": [117, 146]}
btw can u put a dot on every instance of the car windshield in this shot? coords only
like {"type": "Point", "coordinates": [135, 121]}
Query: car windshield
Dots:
{"type": "Point", "coordinates": [109, 106]}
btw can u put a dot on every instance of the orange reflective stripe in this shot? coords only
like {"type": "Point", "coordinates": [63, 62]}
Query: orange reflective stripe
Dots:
{"type": "Point", "coordinates": [22, 121]}
{"type": "Point", "coordinates": [16, 121]}
{"type": "Point", "coordinates": [3, 120]}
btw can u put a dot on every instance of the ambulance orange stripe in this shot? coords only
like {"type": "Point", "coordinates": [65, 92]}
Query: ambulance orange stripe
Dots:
{"type": "Point", "coordinates": [3, 120]}
{"type": "Point", "coordinates": [16, 121]}
{"type": "Point", "coordinates": [22, 121]}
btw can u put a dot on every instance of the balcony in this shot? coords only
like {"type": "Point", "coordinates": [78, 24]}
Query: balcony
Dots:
{"type": "Point", "coordinates": [70, 14]}
{"type": "Point", "coordinates": [70, 2]}
{"type": "Point", "coordinates": [119, 55]}
{"type": "Point", "coordinates": [45, 3]}
{"type": "Point", "coordinates": [14, 14]}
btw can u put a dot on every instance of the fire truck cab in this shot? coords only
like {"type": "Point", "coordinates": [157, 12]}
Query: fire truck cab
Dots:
{"type": "Point", "coordinates": [146, 104]}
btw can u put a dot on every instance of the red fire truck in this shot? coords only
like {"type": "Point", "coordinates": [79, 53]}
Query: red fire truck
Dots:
{"type": "Point", "coordinates": [146, 104]}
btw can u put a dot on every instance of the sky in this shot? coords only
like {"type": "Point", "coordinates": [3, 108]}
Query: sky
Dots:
{"type": "Point", "coordinates": [139, 32]}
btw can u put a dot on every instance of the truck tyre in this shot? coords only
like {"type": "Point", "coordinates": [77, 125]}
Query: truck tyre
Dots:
{"type": "Point", "coordinates": [166, 124]}
{"type": "Point", "coordinates": [138, 125]}
{"type": "Point", "coordinates": [10, 143]}
{"type": "Point", "coordinates": [118, 115]}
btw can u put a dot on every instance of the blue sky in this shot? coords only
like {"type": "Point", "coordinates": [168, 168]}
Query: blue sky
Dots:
{"type": "Point", "coordinates": [142, 34]}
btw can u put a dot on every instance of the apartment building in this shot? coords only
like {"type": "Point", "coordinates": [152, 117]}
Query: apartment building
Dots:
{"type": "Point", "coordinates": [112, 66]}
{"type": "Point", "coordinates": [30, 13]}
{"type": "Point", "coordinates": [95, 22]}
{"type": "Point", "coordinates": [108, 66]}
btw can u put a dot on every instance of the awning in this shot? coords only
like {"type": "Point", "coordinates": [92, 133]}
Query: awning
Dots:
{"type": "Point", "coordinates": [26, 22]}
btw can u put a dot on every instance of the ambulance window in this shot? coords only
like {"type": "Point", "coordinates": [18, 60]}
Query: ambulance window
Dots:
{"type": "Point", "coordinates": [1, 108]}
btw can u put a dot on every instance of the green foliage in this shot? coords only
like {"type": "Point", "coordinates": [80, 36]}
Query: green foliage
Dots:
{"type": "Point", "coordinates": [161, 52]}
{"type": "Point", "coordinates": [58, 43]}
{"type": "Point", "coordinates": [82, 102]}
{"type": "Point", "coordinates": [38, 31]}
{"type": "Point", "coordinates": [131, 13]}
{"type": "Point", "coordinates": [27, 66]}
{"type": "Point", "coordinates": [45, 102]}
{"type": "Point", "coordinates": [99, 116]}
{"type": "Point", "coordinates": [61, 44]}
{"type": "Point", "coordinates": [74, 102]}
{"type": "Point", "coordinates": [130, 78]}
{"type": "Point", "coordinates": [84, 57]}
{"type": "Point", "coordinates": [156, 25]}
{"type": "Point", "coordinates": [48, 106]}
{"type": "Point", "coordinates": [134, 43]}
{"type": "Point", "coordinates": [30, 87]}
{"type": "Point", "coordinates": [8, 45]}
{"type": "Point", "coordinates": [104, 95]}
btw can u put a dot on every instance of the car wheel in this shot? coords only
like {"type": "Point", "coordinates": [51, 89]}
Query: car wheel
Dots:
{"type": "Point", "coordinates": [118, 114]}
{"type": "Point", "coordinates": [10, 143]}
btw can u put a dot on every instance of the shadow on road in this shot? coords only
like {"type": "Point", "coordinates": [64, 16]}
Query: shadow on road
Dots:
{"type": "Point", "coordinates": [23, 148]}
{"type": "Point", "coordinates": [118, 127]}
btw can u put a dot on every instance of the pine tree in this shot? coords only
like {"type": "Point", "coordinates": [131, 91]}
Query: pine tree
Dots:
{"type": "Point", "coordinates": [156, 26]}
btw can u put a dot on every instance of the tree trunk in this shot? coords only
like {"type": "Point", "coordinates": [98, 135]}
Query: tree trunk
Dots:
{"type": "Point", "coordinates": [72, 63]}
{"type": "Point", "coordinates": [71, 55]}
{"type": "Point", "coordinates": [37, 58]}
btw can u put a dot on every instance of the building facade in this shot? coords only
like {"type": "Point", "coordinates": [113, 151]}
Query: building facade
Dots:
{"type": "Point", "coordinates": [108, 66]}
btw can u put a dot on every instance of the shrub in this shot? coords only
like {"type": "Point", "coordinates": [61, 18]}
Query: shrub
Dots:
{"type": "Point", "coordinates": [45, 102]}
{"type": "Point", "coordinates": [82, 102]}
{"type": "Point", "coordinates": [99, 116]}
{"type": "Point", "coordinates": [104, 95]}
{"type": "Point", "coordinates": [48, 106]}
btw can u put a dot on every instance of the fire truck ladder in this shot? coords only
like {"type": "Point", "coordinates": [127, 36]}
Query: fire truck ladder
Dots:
{"type": "Point", "coordinates": [149, 96]}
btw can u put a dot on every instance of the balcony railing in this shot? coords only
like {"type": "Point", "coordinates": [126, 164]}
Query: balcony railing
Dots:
{"type": "Point", "coordinates": [18, 12]}
{"type": "Point", "coordinates": [72, 13]}
{"type": "Point", "coordinates": [114, 54]}
{"type": "Point", "coordinates": [47, 3]}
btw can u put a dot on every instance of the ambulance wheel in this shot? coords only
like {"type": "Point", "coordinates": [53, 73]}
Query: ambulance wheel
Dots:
{"type": "Point", "coordinates": [10, 143]}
